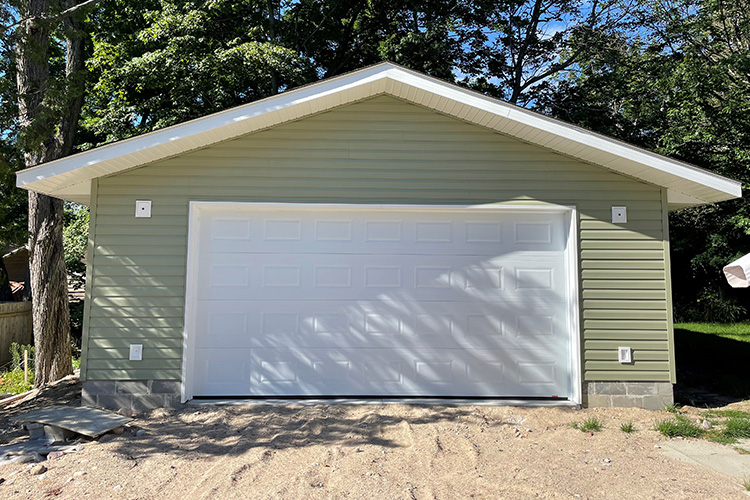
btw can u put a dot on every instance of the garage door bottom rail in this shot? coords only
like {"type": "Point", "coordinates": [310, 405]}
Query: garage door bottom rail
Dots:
{"type": "Point", "coordinates": [364, 399]}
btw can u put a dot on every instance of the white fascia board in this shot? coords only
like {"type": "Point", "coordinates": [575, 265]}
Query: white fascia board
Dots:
{"type": "Point", "coordinates": [568, 139]}
{"type": "Point", "coordinates": [220, 123]}
{"type": "Point", "coordinates": [575, 136]}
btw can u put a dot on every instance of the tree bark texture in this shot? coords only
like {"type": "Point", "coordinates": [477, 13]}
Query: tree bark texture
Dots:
{"type": "Point", "coordinates": [45, 139]}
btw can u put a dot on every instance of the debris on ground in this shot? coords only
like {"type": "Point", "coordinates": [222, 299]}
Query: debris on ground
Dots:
{"type": "Point", "coordinates": [58, 430]}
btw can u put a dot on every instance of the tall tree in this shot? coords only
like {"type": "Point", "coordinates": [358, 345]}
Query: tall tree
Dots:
{"type": "Point", "coordinates": [48, 109]}
{"type": "Point", "coordinates": [680, 88]}
{"type": "Point", "coordinates": [513, 47]}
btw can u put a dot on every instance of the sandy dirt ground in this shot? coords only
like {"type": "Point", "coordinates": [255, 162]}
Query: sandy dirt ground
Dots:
{"type": "Point", "coordinates": [365, 451]}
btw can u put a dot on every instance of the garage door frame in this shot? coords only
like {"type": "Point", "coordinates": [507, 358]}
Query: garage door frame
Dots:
{"type": "Point", "coordinates": [198, 208]}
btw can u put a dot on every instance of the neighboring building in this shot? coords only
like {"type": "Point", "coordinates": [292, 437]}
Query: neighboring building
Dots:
{"type": "Point", "coordinates": [17, 263]}
{"type": "Point", "coordinates": [378, 234]}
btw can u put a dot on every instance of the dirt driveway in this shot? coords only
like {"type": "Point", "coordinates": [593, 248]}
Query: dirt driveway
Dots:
{"type": "Point", "coordinates": [369, 451]}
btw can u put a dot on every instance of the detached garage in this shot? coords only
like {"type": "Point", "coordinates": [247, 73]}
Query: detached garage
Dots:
{"type": "Point", "coordinates": [380, 234]}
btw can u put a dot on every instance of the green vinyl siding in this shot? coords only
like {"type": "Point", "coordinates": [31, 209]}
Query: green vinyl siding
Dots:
{"type": "Point", "coordinates": [381, 150]}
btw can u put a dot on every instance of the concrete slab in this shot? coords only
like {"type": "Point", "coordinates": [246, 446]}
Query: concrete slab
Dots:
{"type": "Point", "coordinates": [90, 422]}
{"type": "Point", "coordinates": [712, 455]}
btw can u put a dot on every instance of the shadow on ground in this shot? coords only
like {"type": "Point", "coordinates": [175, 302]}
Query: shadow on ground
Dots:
{"type": "Point", "coordinates": [235, 430]}
{"type": "Point", "coordinates": [712, 371]}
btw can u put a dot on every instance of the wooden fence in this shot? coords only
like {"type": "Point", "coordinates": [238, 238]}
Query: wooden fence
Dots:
{"type": "Point", "coordinates": [15, 326]}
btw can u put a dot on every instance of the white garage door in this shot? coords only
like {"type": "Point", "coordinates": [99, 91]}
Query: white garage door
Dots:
{"type": "Point", "coordinates": [378, 301]}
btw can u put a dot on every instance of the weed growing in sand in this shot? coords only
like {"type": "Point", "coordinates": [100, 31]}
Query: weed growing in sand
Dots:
{"type": "Point", "coordinates": [592, 424]}
{"type": "Point", "coordinates": [746, 483]}
{"type": "Point", "coordinates": [627, 427]}
{"type": "Point", "coordinates": [679, 426]}
{"type": "Point", "coordinates": [673, 408]}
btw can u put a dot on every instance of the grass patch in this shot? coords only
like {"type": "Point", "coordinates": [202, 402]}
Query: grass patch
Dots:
{"type": "Point", "coordinates": [680, 426]}
{"type": "Point", "coordinates": [627, 428]}
{"type": "Point", "coordinates": [727, 414]}
{"type": "Point", "coordinates": [673, 408]}
{"type": "Point", "coordinates": [736, 331]}
{"type": "Point", "coordinates": [737, 428]}
{"type": "Point", "coordinates": [592, 424]}
{"type": "Point", "coordinates": [746, 483]}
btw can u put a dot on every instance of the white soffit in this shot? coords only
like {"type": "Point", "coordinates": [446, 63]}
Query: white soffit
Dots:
{"type": "Point", "coordinates": [70, 178]}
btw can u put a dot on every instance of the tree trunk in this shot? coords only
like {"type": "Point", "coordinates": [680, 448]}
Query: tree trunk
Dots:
{"type": "Point", "coordinates": [49, 290]}
{"type": "Point", "coordinates": [48, 283]}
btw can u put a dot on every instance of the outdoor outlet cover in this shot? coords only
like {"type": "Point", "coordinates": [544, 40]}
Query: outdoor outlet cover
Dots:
{"type": "Point", "coordinates": [136, 352]}
{"type": "Point", "coordinates": [143, 208]}
{"type": "Point", "coordinates": [625, 354]}
{"type": "Point", "coordinates": [619, 215]}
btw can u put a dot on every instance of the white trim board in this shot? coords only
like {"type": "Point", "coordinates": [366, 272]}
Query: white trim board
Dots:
{"type": "Point", "coordinates": [198, 209]}
{"type": "Point", "coordinates": [69, 178]}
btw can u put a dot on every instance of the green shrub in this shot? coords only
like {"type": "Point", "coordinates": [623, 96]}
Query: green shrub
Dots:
{"type": "Point", "coordinates": [16, 356]}
{"type": "Point", "coordinates": [679, 426]}
{"type": "Point", "coordinates": [12, 381]}
{"type": "Point", "coordinates": [592, 424]}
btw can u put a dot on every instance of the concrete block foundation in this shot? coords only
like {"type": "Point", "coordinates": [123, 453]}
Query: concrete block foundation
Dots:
{"type": "Point", "coordinates": [648, 395]}
{"type": "Point", "coordinates": [132, 396]}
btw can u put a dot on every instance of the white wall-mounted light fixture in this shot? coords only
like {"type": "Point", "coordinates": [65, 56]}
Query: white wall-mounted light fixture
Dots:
{"type": "Point", "coordinates": [143, 208]}
{"type": "Point", "coordinates": [619, 215]}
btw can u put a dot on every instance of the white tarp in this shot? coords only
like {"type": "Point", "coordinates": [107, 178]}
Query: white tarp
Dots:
{"type": "Point", "coordinates": [738, 272]}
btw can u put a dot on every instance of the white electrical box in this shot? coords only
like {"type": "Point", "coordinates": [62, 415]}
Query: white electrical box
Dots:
{"type": "Point", "coordinates": [625, 355]}
{"type": "Point", "coordinates": [619, 215]}
{"type": "Point", "coordinates": [136, 352]}
{"type": "Point", "coordinates": [143, 208]}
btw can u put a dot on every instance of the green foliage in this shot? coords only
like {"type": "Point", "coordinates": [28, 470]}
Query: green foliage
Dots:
{"type": "Point", "coordinates": [75, 242]}
{"type": "Point", "coordinates": [16, 355]}
{"type": "Point", "coordinates": [679, 87]}
{"type": "Point", "coordinates": [679, 426]}
{"type": "Point", "coordinates": [746, 483]}
{"type": "Point", "coordinates": [592, 424]}
{"type": "Point", "coordinates": [736, 331]}
{"type": "Point", "coordinates": [12, 381]}
{"type": "Point", "coordinates": [627, 427]}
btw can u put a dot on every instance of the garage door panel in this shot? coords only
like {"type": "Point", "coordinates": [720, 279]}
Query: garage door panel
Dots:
{"type": "Point", "coordinates": [376, 302]}
{"type": "Point", "coordinates": [403, 277]}
{"type": "Point", "coordinates": [381, 233]}
{"type": "Point", "coordinates": [244, 324]}
{"type": "Point", "coordinates": [308, 372]}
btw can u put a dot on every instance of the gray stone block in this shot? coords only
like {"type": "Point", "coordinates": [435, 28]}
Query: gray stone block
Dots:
{"type": "Point", "coordinates": [142, 404]}
{"type": "Point", "coordinates": [665, 389]}
{"type": "Point", "coordinates": [165, 387]}
{"type": "Point", "coordinates": [610, 388]}
{"type": "Point", "coordinates": [641, 388]}
{"type": "Point", "coordinates": [134, 387]}
{"type": "Point", "coordinates": [172, 401]}
{"type": "Point", "coordinates": [115, 402]}
{"type": "Point", "coordinates": [96, 387]}
{"type": "Point", "coordinates": [599, 401]}
{"type": "Point", "coordinates": [656, 402]}
{"type": "Point", "coordinates": [627, 401]}
{"type": "Point", "coordinates": [87, 399]}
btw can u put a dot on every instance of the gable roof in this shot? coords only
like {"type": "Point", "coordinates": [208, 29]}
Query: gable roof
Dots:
{"type": "Point", "coordinates": [70, 178]}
